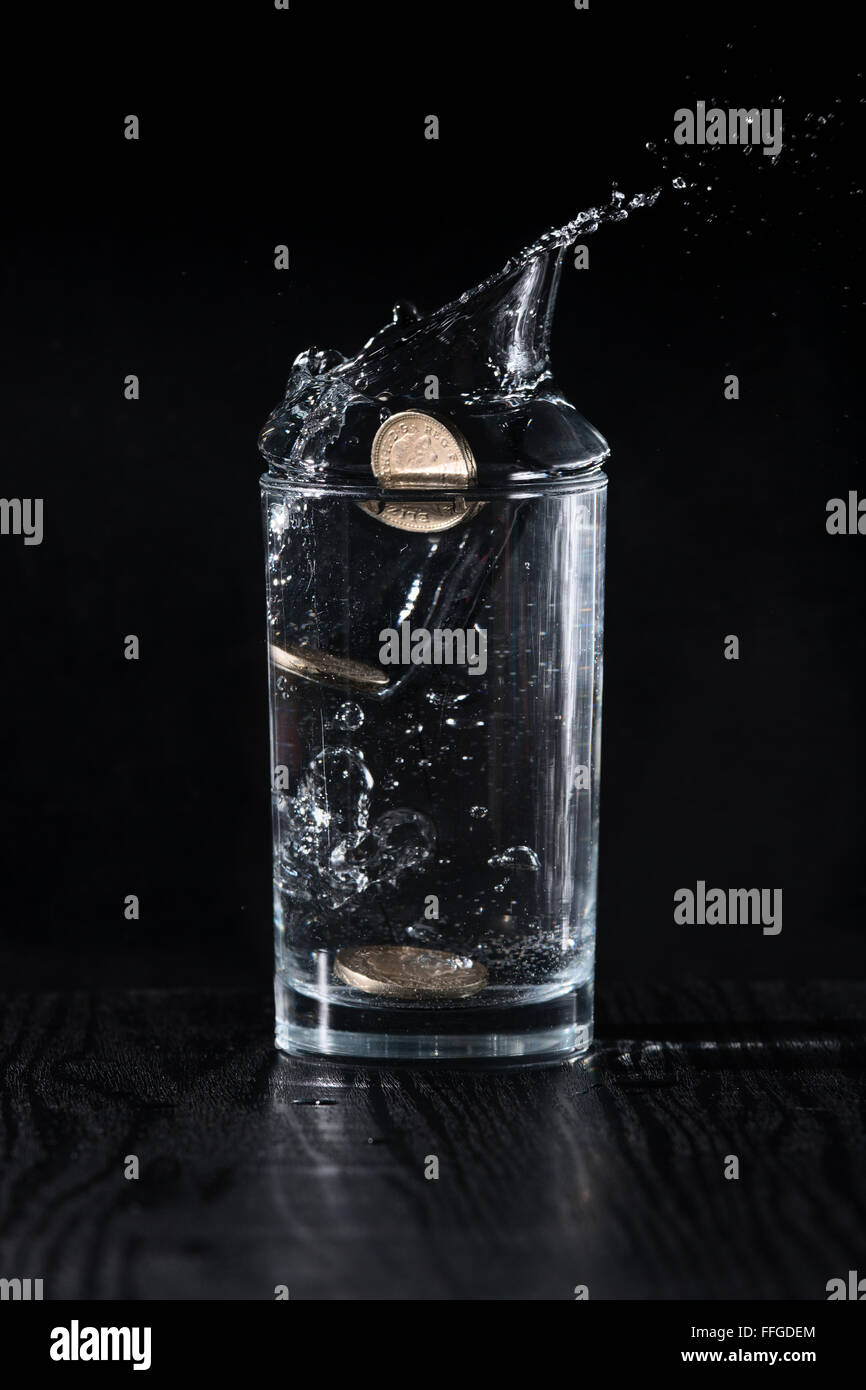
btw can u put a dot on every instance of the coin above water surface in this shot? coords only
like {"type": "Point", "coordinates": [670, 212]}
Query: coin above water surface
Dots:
{"type": "Point", "coordinates": [415, 450]}
{"type": "Point", "coordinates": [409, 972]}
{"type": "Point", "coordinates": [412, 449]}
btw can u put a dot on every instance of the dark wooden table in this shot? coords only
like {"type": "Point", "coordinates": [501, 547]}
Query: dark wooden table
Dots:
{"type": "Point", "coordinates": [257, 1171]}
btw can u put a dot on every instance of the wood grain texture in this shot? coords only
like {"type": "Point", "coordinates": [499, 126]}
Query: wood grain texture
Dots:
{"type": "Point", "coordinates": [257, 1170]}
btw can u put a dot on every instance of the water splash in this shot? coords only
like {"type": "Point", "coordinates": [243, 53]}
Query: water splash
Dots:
{"type": "Point", "coordinates": [488, 349]}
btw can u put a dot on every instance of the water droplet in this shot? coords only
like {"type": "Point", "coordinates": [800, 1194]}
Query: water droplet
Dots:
{"type": "Point", "coordinates": [478, 812]}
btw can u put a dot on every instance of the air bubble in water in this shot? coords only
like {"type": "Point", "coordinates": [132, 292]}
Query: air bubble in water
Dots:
{"type": "Point", "coordinates": [424, 933]}
{"type": "Point", "coordinates": [332, 850]}
{"type": "Point", "coordinates": [350, 715]}
{"type": "Point", "coordinates": [517, 857]}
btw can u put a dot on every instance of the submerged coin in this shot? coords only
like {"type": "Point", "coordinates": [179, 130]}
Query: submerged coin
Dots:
{"type": "Point", "coordinates": [423, 516]}
{"type": "Point", "coordinates": [313, 665]}
{"type": "Point", "coordinates": [409, 972]}
{"type": "Point", "coordinates": [412, 449]}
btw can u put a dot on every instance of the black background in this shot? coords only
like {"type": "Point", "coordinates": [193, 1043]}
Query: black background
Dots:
{"type": "Point", "coordinates": [155, 257]}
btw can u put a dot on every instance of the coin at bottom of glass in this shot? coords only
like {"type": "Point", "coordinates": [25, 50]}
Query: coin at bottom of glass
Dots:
{"type": "Point", "coordinates": [409, 972]}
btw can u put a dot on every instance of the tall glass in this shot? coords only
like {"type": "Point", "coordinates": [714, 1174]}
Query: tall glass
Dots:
{"type": "Point", "coordinates": [435, 800]}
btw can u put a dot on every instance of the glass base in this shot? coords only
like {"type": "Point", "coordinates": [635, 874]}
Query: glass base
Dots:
{"type": "Point", "coordinates": [552, 1030]}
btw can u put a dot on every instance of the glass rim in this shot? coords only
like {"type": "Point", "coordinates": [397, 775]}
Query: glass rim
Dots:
{"type": "Point", "coordinates": [594, 480]}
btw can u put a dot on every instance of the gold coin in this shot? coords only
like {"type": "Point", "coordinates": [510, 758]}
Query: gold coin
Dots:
{"type": "Point", "coordinates": [313, 665]}
{"type": "Point", "coordinates": [423, 516]}
{"type": "Point", "coordinates": [415, 450]}
{"type": "Point", "coordinates": [409, 972]}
